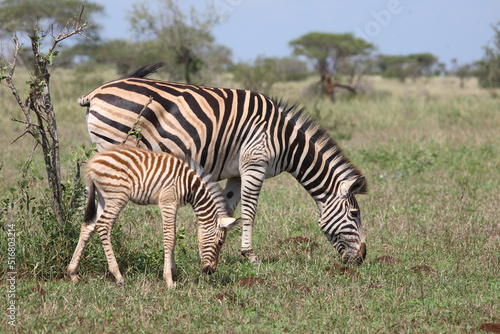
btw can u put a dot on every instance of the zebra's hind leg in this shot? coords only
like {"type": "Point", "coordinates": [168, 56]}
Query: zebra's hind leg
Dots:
{"type": "Point", "coordinates": [103, 226]}
{"type": "Point", "coordinates": [86, 233]}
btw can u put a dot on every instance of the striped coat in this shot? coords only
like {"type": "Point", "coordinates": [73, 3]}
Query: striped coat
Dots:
{"type": "Point", "coordinates": [238, 135]}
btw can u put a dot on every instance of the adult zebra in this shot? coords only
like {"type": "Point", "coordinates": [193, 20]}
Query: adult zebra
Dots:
{"type": "Point", "coordinates": [238, 135]}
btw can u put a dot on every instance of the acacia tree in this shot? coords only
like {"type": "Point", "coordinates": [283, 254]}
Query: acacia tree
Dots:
{"type": "Point", "coordinates": [488, 68]}
{"type": "Point", "coordinates": [40, 120]}
{"type": "Point", "coordinates": [185, 38]}
{"type": "Point", "coordinates": [261, 74]}
{"type": "Point", "coordinates": [411, 66]}
{"type": "Point", "coordinates": [330, 52]}
{"type": "Point", "coordinates": [29, 16]}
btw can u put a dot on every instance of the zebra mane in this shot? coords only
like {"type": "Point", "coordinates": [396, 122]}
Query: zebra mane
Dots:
{"type": "Point", "coordinates": [212, 185]}
{"type": "Point", "coordinates": [322, 141]}
{"type": "Point", "coordinates": [144, 71]}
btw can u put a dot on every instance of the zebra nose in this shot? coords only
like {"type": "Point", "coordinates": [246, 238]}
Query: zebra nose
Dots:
{"type": "Point", "coordinates": [361, 253]}
{"type": "Point", "coordinates": [208, 270]}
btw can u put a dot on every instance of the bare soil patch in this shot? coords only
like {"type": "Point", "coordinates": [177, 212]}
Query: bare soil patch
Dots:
{"type": "Point", "coordinates": [422, 269]}
{"type": "Point", "coordinates": [301, 243]}
{"type": "Point", "coordinates": [337, 269]}
{"type": "Point", "coordinates": [490, 327]}
{"type": "Point", "coordinates": [250, 282]}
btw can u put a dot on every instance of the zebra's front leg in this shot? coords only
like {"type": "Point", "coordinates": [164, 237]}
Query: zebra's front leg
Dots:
{"type": "Point", "coordinates": [251, 184]}
{"type": "Point", "coordinates": [169, 216]}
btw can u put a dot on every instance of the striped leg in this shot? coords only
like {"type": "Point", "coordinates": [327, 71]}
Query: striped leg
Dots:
{"type": "Point", "coordinates": [88, 229]}
{"type": "Point", "coordinates": [169, 215]}
{"type": "Point", "coordinates": [103, 226]}
{"type": "Point", "coordinates": [252, 178]}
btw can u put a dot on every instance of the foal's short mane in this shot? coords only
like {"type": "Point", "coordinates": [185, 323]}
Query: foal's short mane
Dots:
{"type": "Point", "coordinates": [212, 185]}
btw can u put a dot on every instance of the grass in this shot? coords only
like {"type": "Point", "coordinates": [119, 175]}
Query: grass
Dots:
{"type": "Point", "coordinates": [430, 153]}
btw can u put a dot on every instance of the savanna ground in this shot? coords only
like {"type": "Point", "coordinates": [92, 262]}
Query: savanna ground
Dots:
{"type": "Point", "coordinates": [431, 153]}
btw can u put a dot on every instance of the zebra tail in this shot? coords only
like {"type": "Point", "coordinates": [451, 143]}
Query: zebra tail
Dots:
{"type": "Point", "coordinates": [90, 210]}
{"type": "Point", "coordinates": [84, 101]}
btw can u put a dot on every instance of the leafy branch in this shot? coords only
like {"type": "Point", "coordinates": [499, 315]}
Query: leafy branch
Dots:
{"type": "Point", "coordinates": [42, 126]}
{"type": "Point", "coordinates": [136, 130]}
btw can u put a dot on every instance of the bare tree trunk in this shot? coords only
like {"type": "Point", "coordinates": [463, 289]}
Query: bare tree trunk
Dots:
{"type": "Point", "coordinates": [41, 104]}
{"type": "Point", "coordinates": [44, 129]}
{"type": "Point", "coordinates": [330, 85]}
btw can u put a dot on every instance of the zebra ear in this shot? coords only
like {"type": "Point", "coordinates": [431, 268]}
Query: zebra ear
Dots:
{"type": "Point", "coordinates": [355, 186]}
{"type": "Point", "coordinates": [228, 222]}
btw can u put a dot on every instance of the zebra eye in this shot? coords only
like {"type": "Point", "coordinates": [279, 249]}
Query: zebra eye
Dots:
{"type": "Point", "coordinates": [355, 213]}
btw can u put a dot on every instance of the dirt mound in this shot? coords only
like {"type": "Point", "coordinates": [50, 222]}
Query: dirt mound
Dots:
{"type": "Point", "coordinates": [490, 327]}
{"type": "Point", "coordinates": [422, 269]}
{"type": "Point", "coordinates": [336, 269]}
{"type": "Point", "coordinates": [301, 243]}
{"type": "Point", "coordinates": [249, 282]}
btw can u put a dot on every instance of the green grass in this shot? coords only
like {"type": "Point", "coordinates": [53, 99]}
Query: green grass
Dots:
{"type": "Point", "coordinates": [431, 156]}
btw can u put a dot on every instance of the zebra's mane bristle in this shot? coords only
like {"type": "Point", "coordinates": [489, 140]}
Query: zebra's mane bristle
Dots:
{"type": "Point", "coordinates": [144, 71]}
{"type": "Point", "coordinates": [213, 187]}
{"type": "Point", "coordinates": [319, 136]}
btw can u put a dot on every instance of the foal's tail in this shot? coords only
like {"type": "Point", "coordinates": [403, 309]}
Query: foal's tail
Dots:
{"type": "Point", "coordinates": [90, 210]}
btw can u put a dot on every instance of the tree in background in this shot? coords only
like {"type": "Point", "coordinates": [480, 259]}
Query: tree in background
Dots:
{"type": "Point", "coordinates": [488, 68]}
{"type": "Point", "coordinates": [261, 74]}
{"type": "Point", "coordinates": [29, 16]}
{"type": "Point", "coordinates": [461, 71]}
{"type": "Point", "coordinates": [330, 54]}
{"type": "Point", "coordinates": [186, 41]}
{"type": "Point", "coordinates": [38, 110]}
{"type": "Point", "coordinates": [411, 66]}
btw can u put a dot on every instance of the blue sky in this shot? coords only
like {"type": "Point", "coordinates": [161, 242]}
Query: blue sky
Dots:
{"type": "Point", "coordinates": [447, 28]}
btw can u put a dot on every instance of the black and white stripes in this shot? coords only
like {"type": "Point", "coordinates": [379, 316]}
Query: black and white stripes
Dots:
{"type": "Point", "coordinates": [125, 174]}
{"type": "Point", "coordinates": [238, 135]}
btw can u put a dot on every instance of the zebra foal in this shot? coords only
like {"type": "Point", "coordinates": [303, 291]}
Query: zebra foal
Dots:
{"type": "Point", "coordinates": [125, 174]}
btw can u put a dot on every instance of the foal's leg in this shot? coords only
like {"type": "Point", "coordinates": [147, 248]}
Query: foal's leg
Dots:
{"type": "Point", "coordinates": [103, 226]}
{"type": "Point", "coordinates": [88, 229]}
{"type": "Point", "coordinates": [169, 214]}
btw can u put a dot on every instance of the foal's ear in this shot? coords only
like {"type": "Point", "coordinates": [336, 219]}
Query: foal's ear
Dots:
{"type": "Point", "coordinates": [228, 222]}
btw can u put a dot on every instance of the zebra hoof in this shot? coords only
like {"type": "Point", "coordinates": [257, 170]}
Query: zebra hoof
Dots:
{"type": "Point", "coordinates": [251, 256]}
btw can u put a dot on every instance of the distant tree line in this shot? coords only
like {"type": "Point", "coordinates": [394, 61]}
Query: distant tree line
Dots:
{"type": "Point", "coordinates": [185, 43]}
{"type": "Point", "coordinates": [411, 66]}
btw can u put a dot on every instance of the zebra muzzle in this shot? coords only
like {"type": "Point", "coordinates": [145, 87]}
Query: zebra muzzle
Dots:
{"type": "Point", "coordinates": [208, 270]}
